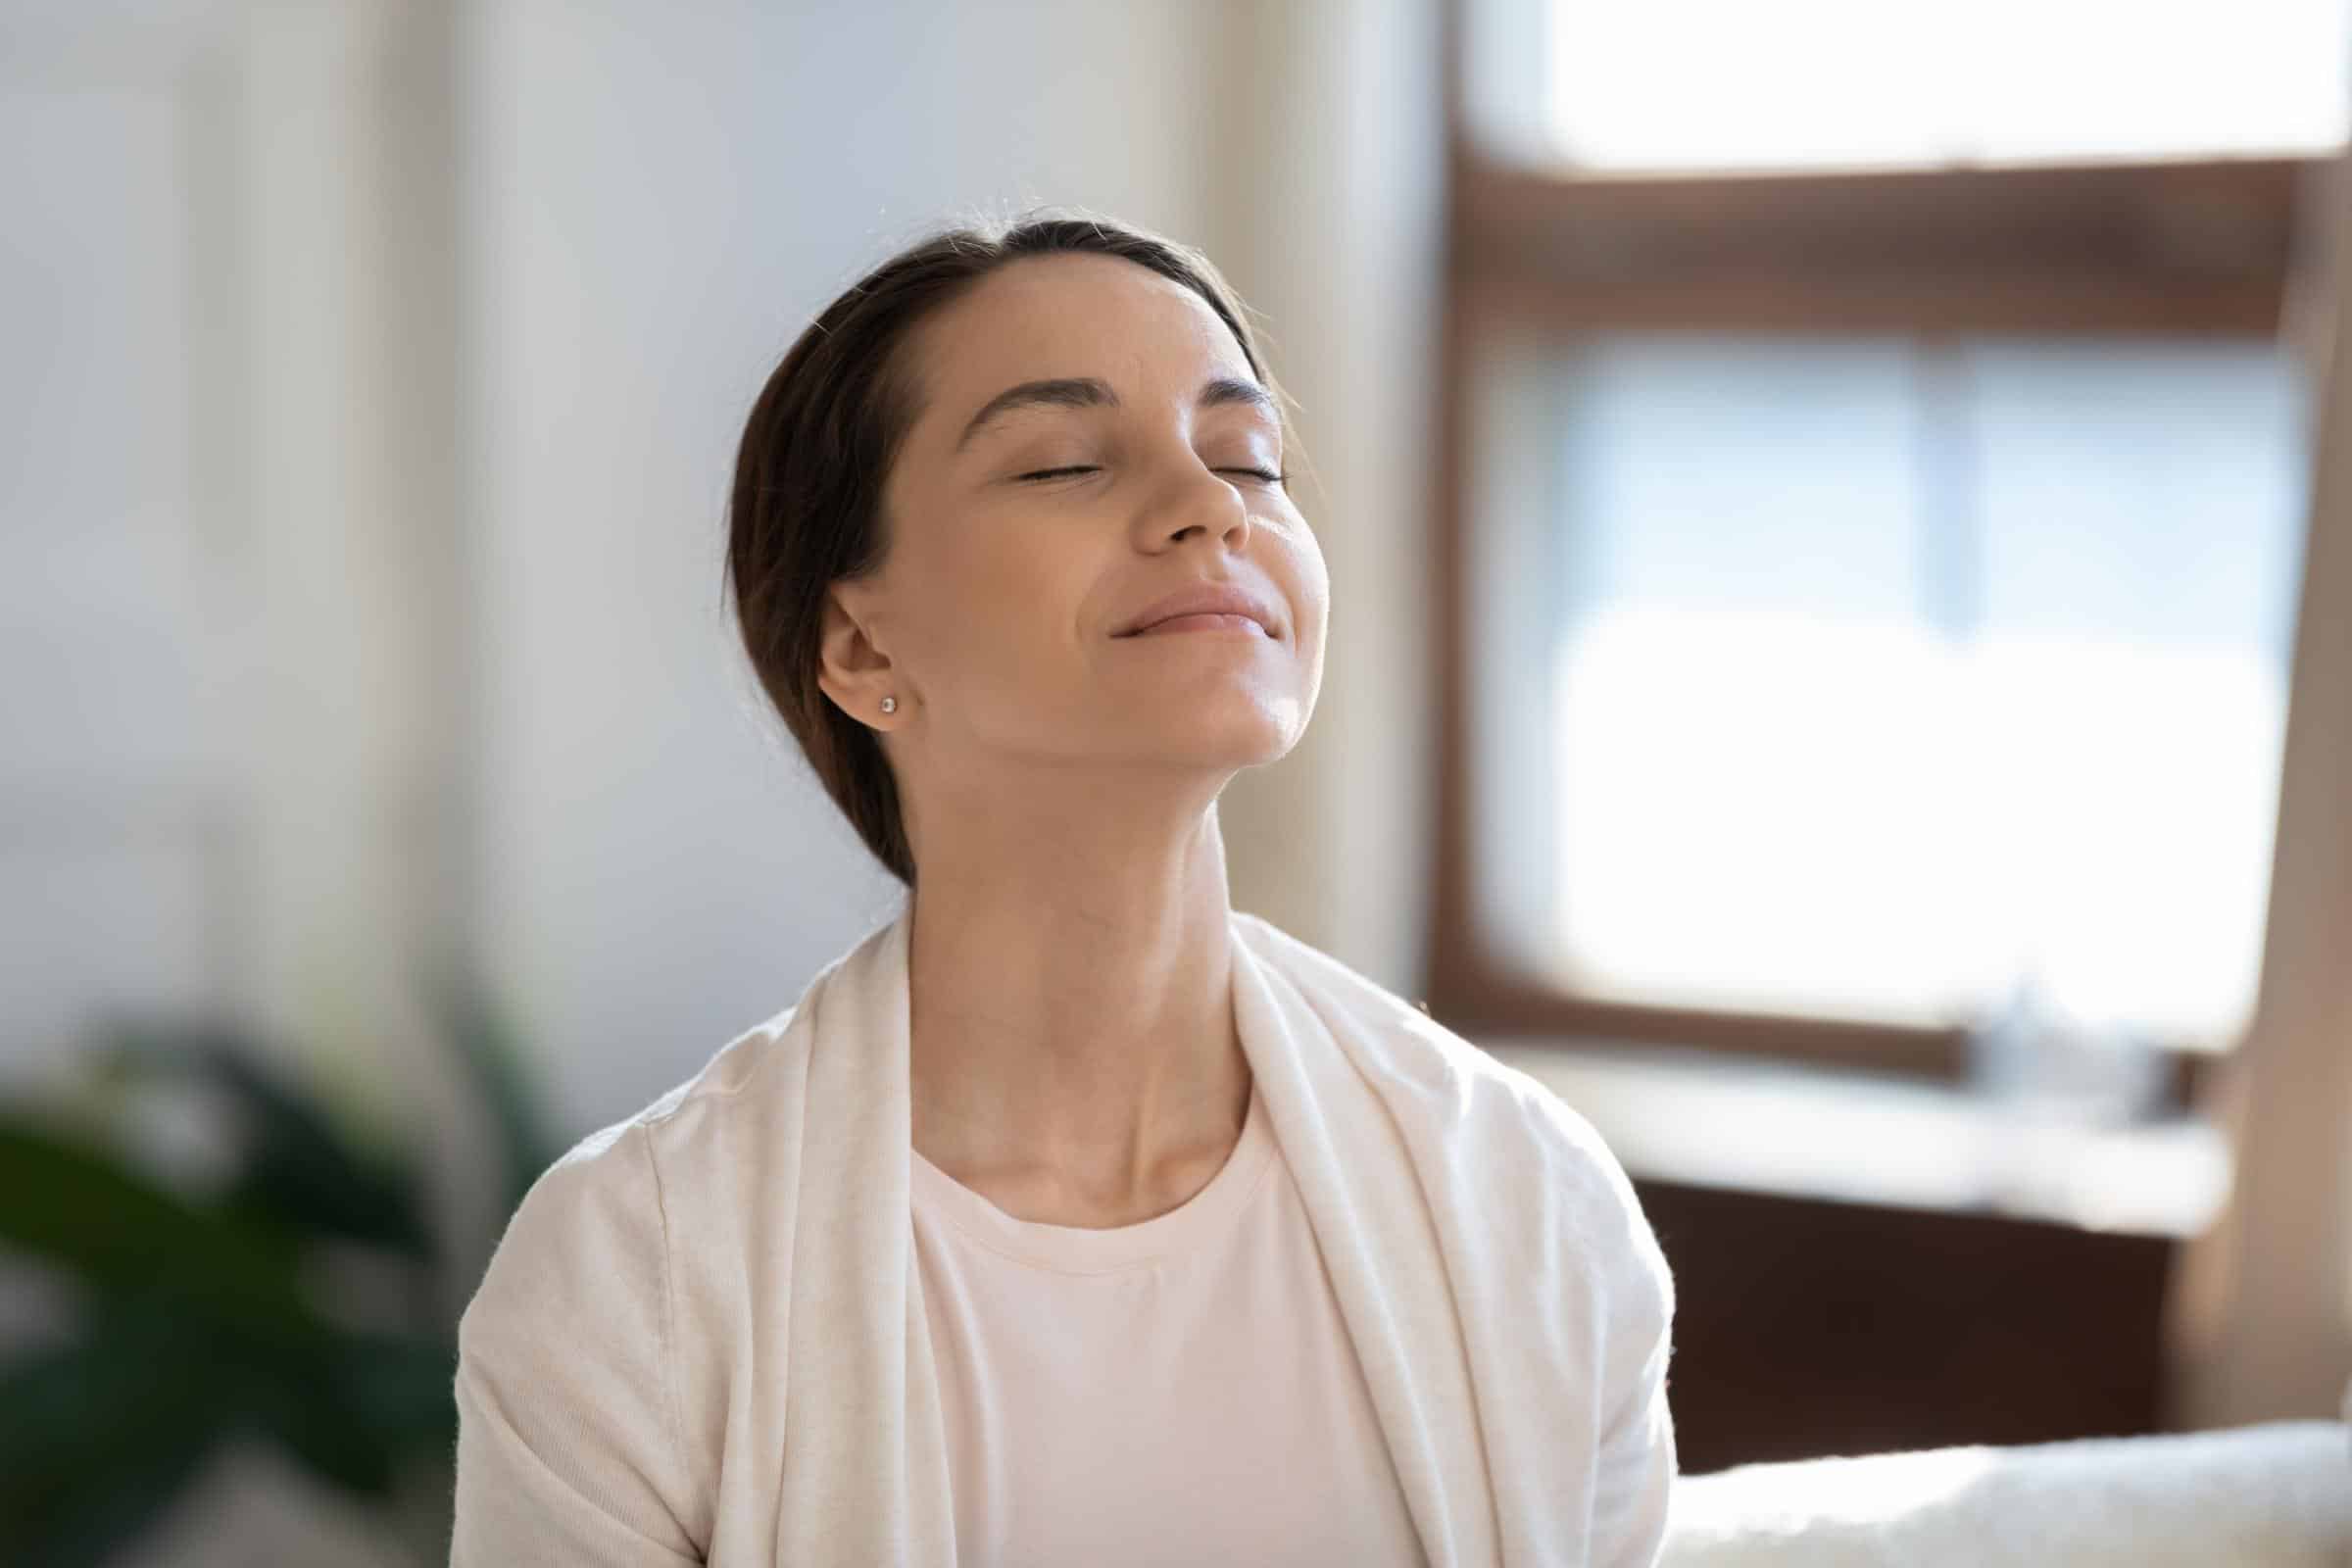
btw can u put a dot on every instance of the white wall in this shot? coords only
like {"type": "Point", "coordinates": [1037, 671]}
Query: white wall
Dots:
{"type": "Point", "coordinates": [119, 804]}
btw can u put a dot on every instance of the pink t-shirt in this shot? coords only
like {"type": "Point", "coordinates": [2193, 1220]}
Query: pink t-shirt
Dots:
{"type": "Point", "coordinates": [1181, 1390]}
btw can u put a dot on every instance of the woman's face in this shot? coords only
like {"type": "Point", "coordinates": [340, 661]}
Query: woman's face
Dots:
{"type": "Point", "coordinates": [1028, 533]}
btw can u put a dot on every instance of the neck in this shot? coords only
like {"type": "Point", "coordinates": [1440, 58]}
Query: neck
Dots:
{"type": "Point", "coordinates": [1072, 1034]}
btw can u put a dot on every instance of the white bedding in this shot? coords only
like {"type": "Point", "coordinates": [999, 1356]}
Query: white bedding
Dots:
{"type": "Point", "coordinates": [2277, 1495]}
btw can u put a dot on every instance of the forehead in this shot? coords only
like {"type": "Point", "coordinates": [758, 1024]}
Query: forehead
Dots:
{"type": "Point", "coordinates": [1070, 316]}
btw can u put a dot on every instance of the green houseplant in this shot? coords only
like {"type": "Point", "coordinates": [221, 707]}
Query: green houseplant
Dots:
{"type": "Point", "coordinates": [199, 1319]}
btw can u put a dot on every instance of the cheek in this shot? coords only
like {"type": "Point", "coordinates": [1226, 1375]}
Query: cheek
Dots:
{"type": "Point", "coordinates": [1320, 574]}
{"type": "Point", "coordinates": [1008, 600]}
{"type": "Point", "coordinates": [1309, 579]}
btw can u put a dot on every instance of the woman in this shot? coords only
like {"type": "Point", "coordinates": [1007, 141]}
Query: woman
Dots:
{"type": "Point", "coordinates": [1072, 1216]}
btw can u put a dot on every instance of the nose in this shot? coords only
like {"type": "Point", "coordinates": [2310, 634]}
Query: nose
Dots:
{"type": "Point", "coordinates": [1199, 504]}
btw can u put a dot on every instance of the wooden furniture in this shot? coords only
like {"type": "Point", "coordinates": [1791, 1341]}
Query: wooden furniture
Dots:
{"type": "Point", "coordinates": [1865, 1263]}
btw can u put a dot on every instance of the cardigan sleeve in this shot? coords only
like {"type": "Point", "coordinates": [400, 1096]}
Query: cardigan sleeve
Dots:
{"type": "Point", "coordinates": [1637, 1461]}
{"type": "Point", "coordinates": [568, 1433]}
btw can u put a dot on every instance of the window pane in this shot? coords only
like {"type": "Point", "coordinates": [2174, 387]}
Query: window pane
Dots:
{"type": "Point", "coordinates": [1883, 674]}
{"type": "Point", "coordinates": [1690, 84]}
{"type": "Point", "coordinates": [2140, 521]}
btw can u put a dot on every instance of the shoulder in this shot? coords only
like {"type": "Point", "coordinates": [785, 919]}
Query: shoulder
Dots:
{"type": "Point", "coordinates": [674, 1192]}
{"type": "Point", "coordinates": [612, 1185]}
{"type": "Point", "coordinates": [1508, 1130]}
{"type": "Point", "coordinates": [579, 1347]}
{"type": "Point", "coordinates": [593, 1239]}
{"type": "Point", "coordinates": [566, 1383]}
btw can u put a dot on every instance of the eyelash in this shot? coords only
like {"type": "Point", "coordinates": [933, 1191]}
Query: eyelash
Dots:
{"type": "Point", "coordinates": [1263, 475]}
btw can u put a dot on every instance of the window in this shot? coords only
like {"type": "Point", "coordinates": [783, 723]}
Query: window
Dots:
{"type": "Point", "coordinates": [1879, 581]}
{"type": "Point", "coordinates": [1718, 85]}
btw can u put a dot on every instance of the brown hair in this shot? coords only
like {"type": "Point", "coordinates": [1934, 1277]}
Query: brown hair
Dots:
{"type": "Point", "coordinates": [806, 508]}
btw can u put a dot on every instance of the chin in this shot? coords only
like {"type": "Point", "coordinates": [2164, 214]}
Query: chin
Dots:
{"type": "Point", "coordinates": [1238, 734]}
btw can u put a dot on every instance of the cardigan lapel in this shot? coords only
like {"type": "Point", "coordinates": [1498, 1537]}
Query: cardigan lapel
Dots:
{"type": "Point", "coordinates": [1372, 1222]}
{"type": "Point", "coordinates": [864, 1465]}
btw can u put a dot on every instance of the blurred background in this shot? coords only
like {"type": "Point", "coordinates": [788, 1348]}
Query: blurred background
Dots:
{"type": "Point", "coordinates": [1842, 660]}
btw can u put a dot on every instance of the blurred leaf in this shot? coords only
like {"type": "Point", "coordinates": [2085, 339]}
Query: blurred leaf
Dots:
{"type": "Point", "coordinates": [65, 1397]}
{"type": "Point", "coordinates": [84, 1209]}
{"type": "Point", "coordinates": [86, 1517]}
{"type": "Point", "coordinates": [199, 1323]}
{"type": "Point", "coordinates": [297, 1397]}
{"type": "Point", "coordinates": [404, 1386]}
{"type": "Point", "coordinates": [494, 1061]}
{"type": "Point", "coordinates": [354, 1408]}
{"type": "Point", "coordinates": [99, 1437]}
{"type": "Point", "coordinates": [300, 1170]}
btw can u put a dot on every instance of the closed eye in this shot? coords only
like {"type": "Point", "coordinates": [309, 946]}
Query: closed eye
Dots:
{"type": "Point", "coordinates": [1263, 475]}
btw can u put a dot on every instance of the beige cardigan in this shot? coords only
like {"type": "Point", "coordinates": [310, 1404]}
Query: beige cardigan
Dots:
{"type": "Point", "coordinates": [703, 1339]}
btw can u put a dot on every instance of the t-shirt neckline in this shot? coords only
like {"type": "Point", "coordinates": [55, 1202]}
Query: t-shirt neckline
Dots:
{"type": "Point", "coordinates": [1080, 1250]}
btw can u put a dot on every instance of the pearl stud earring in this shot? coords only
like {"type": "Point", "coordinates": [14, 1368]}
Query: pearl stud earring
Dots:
{"type": "Point", "coordinates": [890, 704]}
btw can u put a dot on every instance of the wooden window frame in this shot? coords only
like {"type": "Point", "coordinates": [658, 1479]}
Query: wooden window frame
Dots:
{"type": "Point", "coordinates": [2175, 248]}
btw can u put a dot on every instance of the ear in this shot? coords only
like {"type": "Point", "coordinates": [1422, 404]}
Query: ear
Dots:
{"type": "Point", "coordinates": [852, 668]}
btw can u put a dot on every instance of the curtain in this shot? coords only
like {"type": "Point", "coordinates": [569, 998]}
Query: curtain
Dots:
{"type": "Point", "coordinates": [2261, 1319]}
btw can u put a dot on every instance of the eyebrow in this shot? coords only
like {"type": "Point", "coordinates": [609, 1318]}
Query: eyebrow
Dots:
{"type": "Point", "coordinates": [1089, 392]}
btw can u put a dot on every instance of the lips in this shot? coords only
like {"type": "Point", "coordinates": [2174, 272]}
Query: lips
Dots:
{"type": "Point", "coordinates": [1205, 599]}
